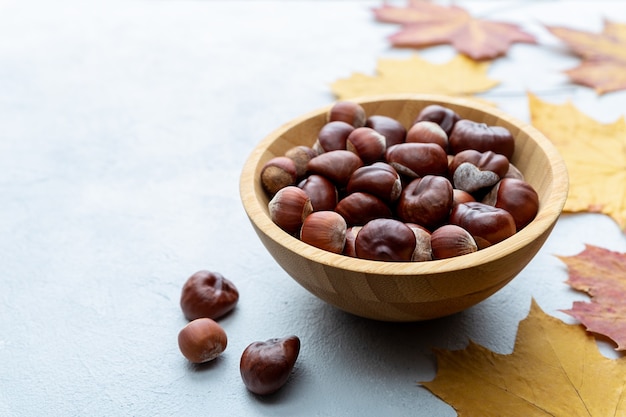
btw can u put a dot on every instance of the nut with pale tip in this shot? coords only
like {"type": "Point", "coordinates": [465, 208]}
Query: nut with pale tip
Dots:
{"type": "Point", "coordinates": [349, 112]}
{"type": "Point", "coordinates": [337, 166]}
{"type": "Point", "coordinates": [517, 197]}
{"type": "Point", "coordinates": [325, 230]}
{"type": "Point", "coordinates": [289, 207]}
{"type": "Point", "coordinates": [278, 173]}
{"type": "Point", "coordinates": [451, 240]}
{"type": "Point", "coordinates": [385, 240]}
{"type": "Point", "coordinates": [426, 131]}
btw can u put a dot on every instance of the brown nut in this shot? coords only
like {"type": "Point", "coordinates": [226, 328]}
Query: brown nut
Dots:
{"type": "Point", "coordinates": [460, 196]}
{"type": "Point", "coordinates": [451, 240]}
{"type": "Point", "coordinates": [443, 116]}
{"type": "Point", "coordinates": [517, 197]}
{"type": "Point", "coordinates": [426, 201]}
{"type": "Point", "coordinates": [321, 191]}
{"type": "Point", "coordinates": [337, 166]}
{"type": "Point", "coordinates": [487, 224]}
{"type": "Point", "coordinates": [468, 134]}
{"type": "Point", "coordinates": [351, 233]}
{"type": "Point", "coordinates": [349, 112]}
{"type": "Point", "coordinates": [385, 240]}
{"type": "Point", "coordinates": [332, 136]}
{"type": "Point", "coordinates": [423, 250]}
{"type": "Point", "coordinates": [278, 173]}
{"type": "Point", "coordinates": [472, 170]}
{"type": "Point", "coordinates": [202, 340]}
{"type": "Point", "coordinates": [208, 294]}
{"type": "Point", "coordinates": [289, 207]}
{"type": "Point", "coordinates": [359, 208]}
{"type": "Point", "coordinates": [325, 230]}
{"type": "Point", "coordinates": [379, 179]}
{"type": "Point", "coordinates": [301, 155]}
{"type": "Point", "coordinates": [418, 159]}
{"type": "Point", "coordinates": [266, 366]}
{"type": "Point", "coordinates": [393, 131]}
{"type": "Point", "coordinates": [428, 132]}
{"type": "Point", "coordinates": [367, 143]}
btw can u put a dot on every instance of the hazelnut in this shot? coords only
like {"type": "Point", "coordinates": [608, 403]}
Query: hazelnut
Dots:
{"type": "Point", "coordinates": [265, 366]}
{"type": "Point", "coordinates": [202, 340]}
{"type": "Point", "coordinates": [301, 155]}
{"type": "Point", "coordinates": [443, 116]}
{"type": "Point", "coordinates": [426, 201]}
{"type": "Point", "coordinates": [487, 224]}
{"type": "Point", "coordinates": [289, 207]}
{"type": "Point", "coordinates": [428, 132]}
{"type": "Point", "coordinates": [379, 179]}
{"type": "Point", "coordinates": [349, 112]}
{"type": "Point", "coordinates": [468, 134]}
{"type": "Point", "coordinates": [325, 230]}
{"type": "Point", "coordinates": [359, 208]}
{"type": "Point", "coordinates": [385, 240]}
{"type": "Point", "coordinates": [332, 136]}
{"type": "Point", "coordinates": [337, 166]}
{"type": "Point", "coordinates": [367, 143]}
{"type": "Point", "coordinates": [321, 191]}
{"type": "Point", "coordinates": [451, 240]}
{"type": "Point", "coordinates": [207, 294]}
{"type": "Point", "coordinates": [517, 197]}
{"type": "Point", "coordinates": [278, 173]}
{"type": "Point", "coordinates": [418, 159]}
{"type": "Point", "coordinates": [393, 131]}
{"type": "Point", "coordinates": [472, 171]}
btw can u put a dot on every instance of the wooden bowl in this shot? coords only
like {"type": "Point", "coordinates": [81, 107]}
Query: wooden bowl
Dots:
{"type": "Point", "coordinates": [409, 291]}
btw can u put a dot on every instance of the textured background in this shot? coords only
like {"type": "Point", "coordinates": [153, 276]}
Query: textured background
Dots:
{"type": "Point", "coordinates": [123, 129]}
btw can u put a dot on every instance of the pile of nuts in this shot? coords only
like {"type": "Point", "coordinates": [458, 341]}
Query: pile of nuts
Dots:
{"type": "Point", "coordinates": [265, 366]}
{"type": "Point", "coordinates": [373, 189]}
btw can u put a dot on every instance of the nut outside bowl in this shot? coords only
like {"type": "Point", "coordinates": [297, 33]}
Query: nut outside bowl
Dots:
{"type": "Point", "coordinates": [409, 291]}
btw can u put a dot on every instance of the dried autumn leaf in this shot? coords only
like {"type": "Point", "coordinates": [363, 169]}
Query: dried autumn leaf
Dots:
{"type": "Point", "coordinates": [427, 24]}
{"type": "Point", "coordinates": [459, 76]}
{"type": "Point", "coordinates": [595, 155]}
{"type": "Point", "coordinates": [555, 369]}
{"type": "Point", "coordinates": [601, 273]}
{"type": "Point", "coordinates": [604, 56]}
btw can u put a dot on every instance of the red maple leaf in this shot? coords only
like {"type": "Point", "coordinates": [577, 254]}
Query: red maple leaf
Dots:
{"type": "Point", "coordinates": [601, 273]}
{"type": "Point", "coordinates": [426, 24]}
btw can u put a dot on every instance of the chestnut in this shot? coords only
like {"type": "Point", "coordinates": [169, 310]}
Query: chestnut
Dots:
{"type": "Point", "coordinates": [379, 179]}
{"type": "Point", "coordinates": [423, 249]}
{"type": "Point", "coordinates": [321, 191]}
{"type": "Point", "coordinates": [385, 240]}
{"type": "Point", "coordinates": [278, 173]}
{"type": "Point", "coordinates": [367, 143]}
{"type": "Point", "coordinates": [443, 116]}
{"type": "Point", "coordinates": [332, 136]}
{"type": "Point", "coordinates": [451, 240]}
{"type": "Point", "coordinates": [517, 197]}
{"type": "Point", "coordinates": [337, 165]}
{"type": "Point", "coordinates": [487, 224]}
{"type": "Point", "coordinates": [202, 340]}
{"type": "Point", "coordinates": [266, 366]}
{"type": "Point", "coordinates": [468, 134]}
{"type": "Point", "coordinates": [473, 171]}
{"type": "Point", "coordinates": [417, 159]}
{"type": "Point", "coordinates": [325, 230]}
{"type": "Point", "coordinates": [208, 294]}
{"type": "Point", "coordinates": [393, 131]}
{"type": "Point", "coordinates": [426, 201]}
{"type": "Point", "coordinates": [359, 208]}
{"type": "Point", "coordinates": [289, 207]}
{"type": "Point", "coordinates": [428, 132]}
{"type": "Point", "coordinates": [347, 111]}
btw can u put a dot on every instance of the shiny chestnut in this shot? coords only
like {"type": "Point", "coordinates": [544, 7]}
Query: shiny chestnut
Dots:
{"type": "Point", "coordinates": [208, 294]}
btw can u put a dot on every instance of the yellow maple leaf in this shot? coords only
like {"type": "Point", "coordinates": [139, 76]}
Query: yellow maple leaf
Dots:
{"type": "Point", "coordinates": [594, 153]}
{"type": "Point", "coordinates": [555, 369]}
{"type": "Point", "coordinates": [459, 76]}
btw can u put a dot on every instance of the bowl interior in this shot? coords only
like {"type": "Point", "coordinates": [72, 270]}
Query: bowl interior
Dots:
{"type": "Point", "coordinates": [415, 285]}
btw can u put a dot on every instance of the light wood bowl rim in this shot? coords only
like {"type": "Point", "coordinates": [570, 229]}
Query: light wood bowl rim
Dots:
{"type": "Point", "coordinates": [546, 218]}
